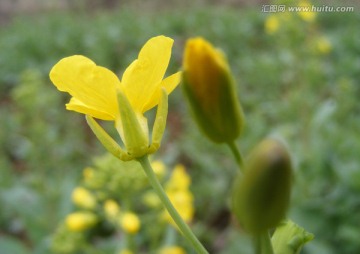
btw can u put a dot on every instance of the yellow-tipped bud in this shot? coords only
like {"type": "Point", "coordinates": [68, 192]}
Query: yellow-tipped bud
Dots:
{"type": "Point", "coordinates": [130, 223]}
{"type": "Point", "coordinates": [83, 198]}
{"type": "Point", "coordinates": [210, 88]}
{"type": "Point", "coordinates": [80, 221]}
{"type": "Point", "coordinates": [261, 196]}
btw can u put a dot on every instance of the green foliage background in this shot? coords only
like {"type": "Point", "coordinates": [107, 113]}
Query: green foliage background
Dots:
{"type": "Point", "coordinates": [286, 89]}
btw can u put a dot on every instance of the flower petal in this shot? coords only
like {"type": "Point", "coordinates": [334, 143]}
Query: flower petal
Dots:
{"type": "Point", "coordinates": [169, 84]}
{"type": "Point", "coordinates": [141, 79]}
{"type": "Point", "coordinates": [94, 86]}
{"type": "Point", "coordinates": [80, 107]}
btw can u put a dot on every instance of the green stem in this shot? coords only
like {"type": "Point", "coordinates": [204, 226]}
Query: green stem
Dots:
{"type": "Point", "coordinates": [184, 228]}
{"type": "Point", "coordinates": [237, 154]}
{"type": "Point", "coordinates": [262, 244]}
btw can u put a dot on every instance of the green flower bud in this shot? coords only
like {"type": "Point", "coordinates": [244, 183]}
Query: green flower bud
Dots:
{"type": "Point", "coordinates": [210, 89]}
{"type": "Point", "coordinates": [261, 196]}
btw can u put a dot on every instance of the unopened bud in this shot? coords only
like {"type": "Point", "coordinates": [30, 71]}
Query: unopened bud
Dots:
{"type": "Point", "coordinates": [210, 88]}
{"type": "Point", "coordinates": [261, 195]}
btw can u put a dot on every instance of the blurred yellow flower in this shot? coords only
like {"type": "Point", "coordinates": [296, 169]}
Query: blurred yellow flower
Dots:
{"type": "Point", "coordinates": [83, 198]}
{"type": "Point", "coordinates": [272, 24]}
{"type": "Point", "coordinates": [323, 45]}
{"type": "Point", "coordinates": [177, 189]}
{"type": "Point", "coordinates": [159, 168]}
{"type": "Point", "coordinates": [307, 15]}
{"type": "Point", "coordinates": [130, 223]}
{"type": "Point", "coordinates": [125, 251]}
{"type": "Point", "coordinates": [151, 199]}
{"type": "Point", "coordinates": [179, 179]}
{"type": "Point", "coordinates": [172, 250]}
{"type": "Point", "coordinates": [111, 208]}
{"type": "Point", "coordinates": [183, 203]}
{"type": "Point", "coordinates": [97, 92]}
{"type": "Point", "coordinates": [88, 173]}
{"type": "Point", "coordinates": [80, 221]}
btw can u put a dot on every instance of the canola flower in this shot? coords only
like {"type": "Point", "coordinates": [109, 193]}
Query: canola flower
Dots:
{"type": "Point", "coordinates": [159, 168]}
{"type": "Point", "coordinates": [172, 250]}
{"type": "Point", "coordinates": [125, 251]}
{"type": "Point", "coordinates": [272, 24]}
{"type": "Point", "coordinates": [177, 189]}
{"type": "Point", "coordinates": [111, 208]}
{"type": "Point", "coordinates": [130, 222]}
{"type": "Point", "coordinates": [308, 16]}
{"type": "Point", "coordinates": [98, 93]}
{"type": "Point", "coordinates": [80, 221]}
{"type": "Point", "coordinates": [323, 45]}
{"type": "Point", "coordinates": [88, 173]}
{"type": "Point", "coordinates": [83, 198]}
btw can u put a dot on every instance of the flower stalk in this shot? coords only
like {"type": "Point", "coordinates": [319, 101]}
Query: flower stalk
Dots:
{"type": "Point", "coordinates": [237, 154]}
{"type": "Point", "coordinates": [262, 244]}
{"type": "Point", "coordinates": [183, 227]}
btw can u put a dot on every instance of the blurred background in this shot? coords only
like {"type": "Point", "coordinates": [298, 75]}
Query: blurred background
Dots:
{"type": "Point", "coordinates": [298, 79]}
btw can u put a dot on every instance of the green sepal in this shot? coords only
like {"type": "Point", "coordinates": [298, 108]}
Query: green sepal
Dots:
{"type": "Point", "coordinates": [289, 238]}
{"type": "Point", "coordinates": [160, 122]}
{"type": "Point", "coordinates": [136, 139]}
{"type": "Point", "coordinates": [106, 140]}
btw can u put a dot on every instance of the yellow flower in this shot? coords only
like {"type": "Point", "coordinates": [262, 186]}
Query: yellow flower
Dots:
{"type": "Point", "coordinates": [179, 179]}
{"type": "Point", "coordinates": [111, 208]}
{"type": "Point", "coordinates": [88, 173]}
{"type": "Point", "coordinates": [159, 168]}
{"type": "Point", "coordinates": [308, 15]}
{"type": "Point", "coordinates": [151, 199]}
{"type": "Point", "coordinates": [125, 251]}
{"type": "Point", "coordinates": [210, 89]}
{"type": "Point", "coordinates": [177, 189]}
{"type": "Point", "coordinates": [83, 198]}
{"type": "Point", "coordinates": [80, 221]}
{"type": "Point", "coordinates": [97, 92]}
{"type": "Point", "coordinates": [272, 24]}
{"type": "Point", "coordinates": [323, 45]}
{"type": "Point", "coordinates": [130, 223]}
{"type": "Point", "coordinates": [172, 250]}
{"type": "Point", "coordinates": [183, 203]}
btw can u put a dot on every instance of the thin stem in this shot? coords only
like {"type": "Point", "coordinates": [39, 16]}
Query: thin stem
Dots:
{"type": "Point", "coordinates": [262, 244]}
{"type": "Point", "coordinates": [184, 228]}
{"type": "Point", "coordinates": [237, 154]}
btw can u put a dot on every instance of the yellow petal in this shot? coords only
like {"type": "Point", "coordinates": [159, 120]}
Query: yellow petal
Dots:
{"type": "Point", "coordinates": [80, 107]}
{"type": "Point", "coordinates": [94, 86]}
{"type": "Point", "coordinates": [142, 78]}
{"type": "Point", "coordinates": [169, 84]}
